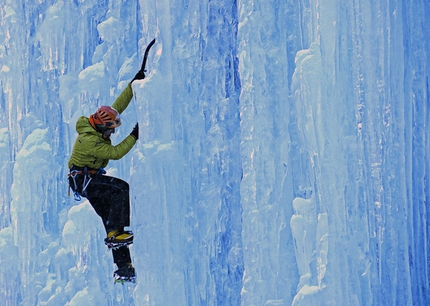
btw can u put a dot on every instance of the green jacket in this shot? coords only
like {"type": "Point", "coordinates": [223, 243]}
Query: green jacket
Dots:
{"type": "Point", "coordinates": [91, 149]}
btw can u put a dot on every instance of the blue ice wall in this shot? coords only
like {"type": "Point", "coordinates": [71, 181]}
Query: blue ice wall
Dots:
{"type": "Point", "coordinates": [282, 157]}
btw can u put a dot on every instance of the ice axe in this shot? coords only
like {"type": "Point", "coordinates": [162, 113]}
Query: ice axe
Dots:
{"type": "Point", "coordinates": [141, 74]}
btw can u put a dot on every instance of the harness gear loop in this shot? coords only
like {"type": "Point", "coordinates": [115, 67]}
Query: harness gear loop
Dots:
{"type": "Point", "coordinates": [87, 180]}
{"type": "Point", "coordinates": [76, 194]}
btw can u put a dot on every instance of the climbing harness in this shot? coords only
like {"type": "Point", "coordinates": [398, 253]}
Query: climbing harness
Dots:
{"type": "Point", "coordinates": [87, 179]}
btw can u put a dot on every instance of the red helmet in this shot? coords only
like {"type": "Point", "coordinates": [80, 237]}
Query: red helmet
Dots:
{"type": "Point", "coordinates": [105, 117]}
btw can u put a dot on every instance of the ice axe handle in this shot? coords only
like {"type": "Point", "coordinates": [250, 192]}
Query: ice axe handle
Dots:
{"type": "Point", "coordinates": [145, 57]}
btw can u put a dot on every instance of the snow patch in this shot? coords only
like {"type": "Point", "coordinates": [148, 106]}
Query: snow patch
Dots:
{"type": "Point", "coordinates": [35, 141]}
{"type": "Point", "coordinates": [92, 77]}
{"type": "Point", "coordinates": [308, 295]}
{"type": "Point", "coordinates": [110, 30]}
{"type": "Point", "coordinates": [82, 297]}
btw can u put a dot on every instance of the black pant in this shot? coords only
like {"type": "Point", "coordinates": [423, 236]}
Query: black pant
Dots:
{"type": "Point", "coordinates": [109, 196]}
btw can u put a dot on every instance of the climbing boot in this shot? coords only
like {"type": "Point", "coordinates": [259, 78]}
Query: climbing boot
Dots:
{"type": "Point", "coordinates": [118, 238]}
{"type": "Point", "coordinates": [125, 274]}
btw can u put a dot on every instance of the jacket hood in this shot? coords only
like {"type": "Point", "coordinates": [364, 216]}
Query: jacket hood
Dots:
{"type": "Point", "coordinates": [83, 126]}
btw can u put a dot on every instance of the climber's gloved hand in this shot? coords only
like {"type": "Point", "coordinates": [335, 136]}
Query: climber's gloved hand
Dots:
{"type": "Point", "coordinates": [135, 132]}
{"type": "Point", "coordinates": [139, 76]}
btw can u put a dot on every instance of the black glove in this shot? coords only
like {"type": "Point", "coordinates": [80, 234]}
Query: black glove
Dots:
{"type": "Point", "coordinates": [139, 76]}
{"type": "Point", "coordinates": [135, 132]}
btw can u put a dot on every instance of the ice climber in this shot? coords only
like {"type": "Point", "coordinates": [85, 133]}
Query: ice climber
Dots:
{"type": "Point", "coordinates": [109, 196]}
